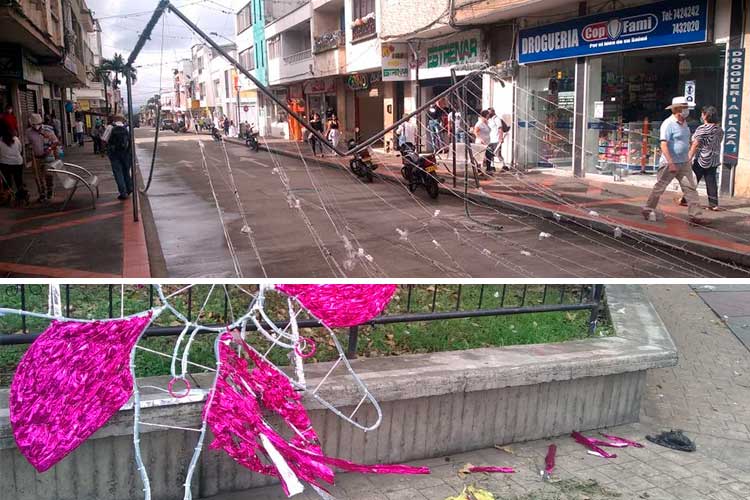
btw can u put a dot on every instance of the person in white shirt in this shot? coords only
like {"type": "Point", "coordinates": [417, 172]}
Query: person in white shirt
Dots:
{"type": "Point", "coordinates": [482, 133]}
{"type": "Point", "coordinates": [79, 132]}
{"type": "Point", "coordinates": [11, 161]}
{"type": "Point", "coordinates": [407, 132]}
{"type": "Point", "coordinates": [497, 136]}
{"type": "Point", "coordinates": [457, 126]}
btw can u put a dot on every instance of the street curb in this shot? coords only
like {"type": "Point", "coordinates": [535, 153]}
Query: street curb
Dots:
{"type": "Point", "coordinates": [704, 249]}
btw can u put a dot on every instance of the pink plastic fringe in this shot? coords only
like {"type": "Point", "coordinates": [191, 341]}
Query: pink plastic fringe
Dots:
{"type": "Point", "coordinates": [590, 444]}
{"type": "Point", "coordinates": [70, 382]}
{"type": "Point", "coordinates": [243, 391]}
{"type": "Point", "coordinates": [338, 306]}
{"type": "Point", "coordinates": [503, 470]}
{"type": "Point", "coordinates": [549, 461]}
{"type": "Point", "coordinates": [626, 442]}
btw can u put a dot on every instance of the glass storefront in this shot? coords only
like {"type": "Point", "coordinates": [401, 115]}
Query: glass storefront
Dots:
{"type": "Point", "coordinates": [544, 114]}
{"type": "Point", "coordinates": [626, 94]}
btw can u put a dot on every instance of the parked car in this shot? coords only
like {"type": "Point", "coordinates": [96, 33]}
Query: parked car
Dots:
{"type": "Point", "coordinates": [167, 124]}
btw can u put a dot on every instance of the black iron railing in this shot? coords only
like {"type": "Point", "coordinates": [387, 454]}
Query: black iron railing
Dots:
{"type": "Point", "coordinates": [416, 303]}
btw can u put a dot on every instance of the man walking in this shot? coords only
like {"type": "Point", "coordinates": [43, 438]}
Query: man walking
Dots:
{"type": "Point", "coordinates": [674, 137]}
{"type": "Point", "coordinates": [117, 138]}
{"type": "Point", "coordinates": [79, 132]}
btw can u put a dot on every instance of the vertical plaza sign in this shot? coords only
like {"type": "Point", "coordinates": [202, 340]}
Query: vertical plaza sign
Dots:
{"type": "Point", "coordinates": [733, 105]}
{"type": "Point", "coordinates": [662, 24]}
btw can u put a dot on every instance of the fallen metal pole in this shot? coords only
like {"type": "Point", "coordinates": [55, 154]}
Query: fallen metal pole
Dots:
{"type": "Point", "coordinates": [133, 169]}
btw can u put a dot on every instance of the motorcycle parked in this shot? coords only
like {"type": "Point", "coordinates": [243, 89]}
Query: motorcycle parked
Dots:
{"type": "Point", "coordinates": [362, 164]}
{"type": "Point", "coordinates": [419, 170]}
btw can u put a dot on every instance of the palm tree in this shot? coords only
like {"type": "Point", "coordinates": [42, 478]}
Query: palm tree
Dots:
{"type": "Point", "coordinates": [118, 66]}
{"type": "Point", "coordinates": [101, 73]}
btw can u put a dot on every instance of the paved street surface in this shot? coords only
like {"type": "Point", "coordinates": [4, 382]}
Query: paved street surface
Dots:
{"type": "Point", "coordinates": [731, 303]}
{"type": "Point", "coordinates": [436, 238]}
{"type": "Point", "coordinates": [81, 242]}
{"type": "Point", "coordinates": [707, 395]}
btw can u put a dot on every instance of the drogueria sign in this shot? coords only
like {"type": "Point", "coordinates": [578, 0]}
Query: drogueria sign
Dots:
{"type": "Point", "coordinates": [677, 22]}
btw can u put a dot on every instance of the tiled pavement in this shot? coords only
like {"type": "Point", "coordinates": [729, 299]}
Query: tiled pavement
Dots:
{"type": "Point", "coordinates": [731, 303]}
{"type": "Point", "coordinates": [614, 204]}
{"type": "Point", "coordinates": [707, 395]}
{"type": "Point", "coordinates": [81, 242]}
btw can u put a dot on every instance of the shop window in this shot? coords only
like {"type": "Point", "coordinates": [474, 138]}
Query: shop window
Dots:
{"type": "Point", "coordinates": [546, 96]}
{"type": "Point", "coordinates": [627, 93]}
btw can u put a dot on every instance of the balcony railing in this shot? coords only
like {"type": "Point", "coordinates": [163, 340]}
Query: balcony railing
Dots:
{"type": "Point", "coordinates": [298, 57]}
{"type": "Point", "coordinates": [363, 28]}
{"type": "Point", "coordinates": [329, 41]}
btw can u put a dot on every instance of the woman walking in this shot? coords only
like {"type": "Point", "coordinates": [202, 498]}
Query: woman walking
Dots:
{"type": "Point", "coordinates": [482, 132]}
{"type": "Point", "coordinates": [317, 125]}
{"type": "Point", "coordinates": [333, 133]}
{"type": "Point", "coordinates": [704, 154]}
{"type": "Point", "coordinates": [11, 162]}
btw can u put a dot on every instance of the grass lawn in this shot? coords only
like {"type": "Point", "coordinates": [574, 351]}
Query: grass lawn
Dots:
{"type": "Point", "coordinates": [92, 301]}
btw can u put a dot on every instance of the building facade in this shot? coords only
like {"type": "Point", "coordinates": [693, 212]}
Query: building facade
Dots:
{"type": "Point", "coordinates": [44, 50]}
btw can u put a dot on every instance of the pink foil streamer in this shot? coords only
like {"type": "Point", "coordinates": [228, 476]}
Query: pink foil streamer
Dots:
{"type": "Point", "coordinates": [338, 306]}
{"type": "Point", "coordinates": [70, 382]}
{"type": "Point", "coordinates": [617, 439]}
{"type": "Point", "coordinates": [502, 470]}
{"type": "Point", "coordinates": [549, 461]}
{"type": "Point", "coordinates": [587, 442]}
{"type": "Point", "coordinates": [235, 418]}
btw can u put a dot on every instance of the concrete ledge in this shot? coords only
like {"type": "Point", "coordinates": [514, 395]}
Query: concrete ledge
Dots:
{"type": "Point", "coordinates": [433, 404]}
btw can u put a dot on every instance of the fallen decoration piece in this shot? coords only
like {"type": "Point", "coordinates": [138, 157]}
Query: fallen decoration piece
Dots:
{"type": "Point", "coordinates": [338, 306]}
{"type": "Point", "coordinates": [235, 416]}
{"type": "Point", "coordinates": [675, 440]}
{"type": "Point", "coordinates": [549, 462]}
{"type": "Point", "coordinates": [70, 382]}
{"type": "Point", "coordinates": [617, 439]}
{"type": "Point", "coordinates": [591, 445]}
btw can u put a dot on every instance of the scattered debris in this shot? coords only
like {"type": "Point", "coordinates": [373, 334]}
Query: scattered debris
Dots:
{"type": "Point", "coordinates": [246, 229]}
{"type": "Point", "coordinates": [556, 216]}
{"type": "Point", "coordinates": [618, 232]}
{"type": "Point", "coordinates": [591, 445]}
{"type": "Point", "coordinates": [675, 440]}
{"type": "Point", "coordinates": [473, 493]}
{"type": "Point", "coordinates": [593, 213]}
{"type": "Point", "coordinates": [543, 235]}
{"type": "Point", "coordinates": [525, 253]}
{"type": "Point", "coordinates": [474, 469]}
{"type": "Point", "coordinates": [403, 235]}
{"type": "Point", "coordinates": [549, 462]}
{"type": "Point", "coordinates": [506, 449]}
{"type": "Point", "coordinates": [437, 212]}
{"type": "Point", "coordinates": [617, 439]}
{"type": "Point", "coordinates": [652, 216]}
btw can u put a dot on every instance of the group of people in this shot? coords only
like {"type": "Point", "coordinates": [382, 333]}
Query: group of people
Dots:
{"type": "Point", "coordinates": [688, 159]}
{"type": "Point", "coordinates": [331, 131]}
{"type": "Point", "coordinates": [443, 120]}
{"type": "Point", "coordinates": [42, 148]}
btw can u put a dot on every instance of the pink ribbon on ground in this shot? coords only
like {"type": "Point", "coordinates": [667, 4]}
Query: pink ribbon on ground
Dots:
{"type": "Point", "coordinates": [590, 444]}
{"type": "Point", "coordinates": [549, 460]}
{"type": "Point", "coordinates": [626, 442]}
{"type": "Point", "coordinates": [339, 306]}
{"type": "Point", "coordinates": [70, 382]}
{"type": "Point", "coordinates": [234, 415]}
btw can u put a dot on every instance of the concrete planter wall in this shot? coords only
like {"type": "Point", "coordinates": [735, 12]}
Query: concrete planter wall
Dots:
{"type": "Point", "coordinates": [433, 404]}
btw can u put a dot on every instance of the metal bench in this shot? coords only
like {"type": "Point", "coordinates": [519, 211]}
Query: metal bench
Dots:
{"type": "Point", "coordinates": [71, 176]}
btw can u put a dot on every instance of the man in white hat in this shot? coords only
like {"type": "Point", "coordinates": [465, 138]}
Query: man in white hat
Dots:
{"type": "Point", "coordinates": [674, 137]}
{"type": "Point", "coordinates": [43, 144]}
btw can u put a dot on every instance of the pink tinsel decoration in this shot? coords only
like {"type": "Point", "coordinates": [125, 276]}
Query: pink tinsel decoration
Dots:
{"type": "Point", "coordinates": [243, 391]}
{"type": "Point", "coordinates": [502, 470]}
{"type": "Point", "coordinates": [70, 382]}
{"type": "Point", "coordinates": [549, 461]}
{"type": "Point", "coordinates": [620, 440]}
{"type": "Point", "coordinates": [591, 444]}
{"type": "Point", "coordinates": [338, 306]}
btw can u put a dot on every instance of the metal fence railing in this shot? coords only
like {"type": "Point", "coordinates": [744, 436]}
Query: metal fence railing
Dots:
{"type": "Point", "coordinates": [414, 303]}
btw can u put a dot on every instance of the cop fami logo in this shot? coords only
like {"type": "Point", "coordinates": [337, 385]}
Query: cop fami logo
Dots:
{"type": "Point", "coordinates": [614, 28]}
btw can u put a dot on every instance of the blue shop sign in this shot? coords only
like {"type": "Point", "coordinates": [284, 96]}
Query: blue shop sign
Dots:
{"type": "Point", "coordinates": [662, 24]}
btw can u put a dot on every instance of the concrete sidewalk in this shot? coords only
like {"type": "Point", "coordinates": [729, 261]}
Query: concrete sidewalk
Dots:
{"type": "Point", "coordinates": [707, 395]}
{"type": "Point", "coordinates": [42, 241]}
{"type": "Point", "coordinates": [591, 202]}
{"type": "Point", "coordinates": [731, 303]}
